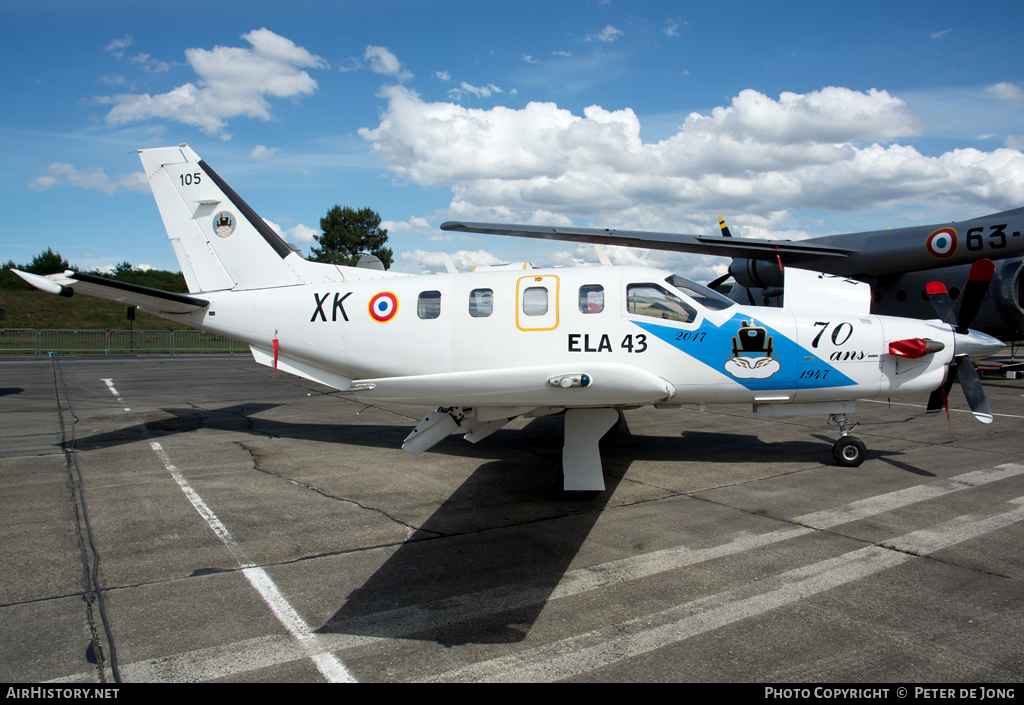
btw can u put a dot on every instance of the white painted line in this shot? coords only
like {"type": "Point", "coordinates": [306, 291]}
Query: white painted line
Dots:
{"type": "Point", "coordinates": [245, 656]}
{"type": "Point", "coordinates": [207, 664]}
{"type": "Point", "coordinates": [416, 618]}
{"type": "Point", "coordinates": [327, 663]}
{"type": "Point", "coordinates": [110, 385]}
{"type": "Point", "coordinates": [603, 647]}
{"type": "Point", "coordinates": [890, 501]}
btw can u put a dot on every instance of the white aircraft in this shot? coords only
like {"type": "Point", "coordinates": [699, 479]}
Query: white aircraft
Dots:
{"type": "Point", "coordinates": [500, 343]}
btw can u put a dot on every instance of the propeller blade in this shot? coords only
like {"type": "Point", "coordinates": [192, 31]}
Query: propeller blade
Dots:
{"type": "Point", "coordinates": [725, 229]}
{"type": "Point", "coordinates": [941, 302]}
{"type": "Point", "coordinates": [718, 282]}
{"type": "Point", "coordinates": [939, 399]}
{"type": "Point", "coordinates": [975, 393]}
{"type": "Point", "coordinates": [974, 292]}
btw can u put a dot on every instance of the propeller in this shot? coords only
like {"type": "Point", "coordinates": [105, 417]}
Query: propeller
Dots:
{"type": "Point", "coordinates": [722, 279]}
{"type": "Point", "coordinates": [961, 369]}
{"type": "Point", "coordinates": [718, 282]}
{"type": "Point", "coordinates": [724, 227]}
{"type": "Point", "coordinates": [767, 290]}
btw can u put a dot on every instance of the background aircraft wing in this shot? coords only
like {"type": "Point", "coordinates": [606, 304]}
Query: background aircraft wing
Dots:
{"type": "Point", "coordinates": [750, 248]}
{"type": "Point", "coordinates": [70, 282]}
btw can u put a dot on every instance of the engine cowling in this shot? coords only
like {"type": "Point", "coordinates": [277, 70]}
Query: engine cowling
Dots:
{"type": "Point", "coordinates": [756, 273]}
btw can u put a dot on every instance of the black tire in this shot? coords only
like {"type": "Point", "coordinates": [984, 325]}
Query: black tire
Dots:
{"type": "Point", "coordinates": [849, 452]}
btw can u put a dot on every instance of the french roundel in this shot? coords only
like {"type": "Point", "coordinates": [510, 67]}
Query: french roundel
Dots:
{"type": "Point", "coordinates": [383, 307]}
{"type": "Point", "coordinates": [942, 243]}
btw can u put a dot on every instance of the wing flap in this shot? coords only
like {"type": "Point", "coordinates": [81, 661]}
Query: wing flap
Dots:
{"type": "Point", "coordinates": [609, 384]}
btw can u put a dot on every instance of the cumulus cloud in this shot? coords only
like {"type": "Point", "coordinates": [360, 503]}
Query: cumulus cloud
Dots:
{"type": "Point", "coordinates": [301, 234]}
{"type": "Point", "coordinates": [829, 149]}
{"type": "Point", "coordinates": [232, 81]}
{"type": "Point", "coordinates": [383, 61]}
{"type": "Point", "coordinates": [94, 179]}
{"type": "Point", "coordinates": [1006, 92]}
{"type": "Point", "coordinates": [420, 261]}
{"type": "Point", "coordinates": [149, 64]}
{"type": "Point", "coordinates": [259, 152]}
{"type": "Point", "coordinates": [481, 92]}
{"type": "Point", "coordinates": [117, 46]}
{"type": "Point", "coordinates": [608, 34]}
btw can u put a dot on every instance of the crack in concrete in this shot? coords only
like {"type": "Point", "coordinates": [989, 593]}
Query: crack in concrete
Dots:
{"type": "Point", "coordinates": [91, 589]}
{"type": "Point", "coordinates": [410, 529]}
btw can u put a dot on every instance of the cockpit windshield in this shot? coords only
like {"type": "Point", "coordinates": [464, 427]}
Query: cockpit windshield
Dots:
{"type": "Point", "coordinates": [708, 298]}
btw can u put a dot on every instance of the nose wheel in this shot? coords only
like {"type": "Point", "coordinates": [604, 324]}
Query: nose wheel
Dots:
{"type": "Point", "coordinates": [848, 451]}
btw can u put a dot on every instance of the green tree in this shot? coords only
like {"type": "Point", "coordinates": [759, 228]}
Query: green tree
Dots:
{"type": "Point", "coordinates": [347, 233]}
{"type": "Point", "coordinates": [48, 262]}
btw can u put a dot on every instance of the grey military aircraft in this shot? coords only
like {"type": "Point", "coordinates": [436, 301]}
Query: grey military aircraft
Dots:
{"type": "Point", "coordinates": [898, 263]}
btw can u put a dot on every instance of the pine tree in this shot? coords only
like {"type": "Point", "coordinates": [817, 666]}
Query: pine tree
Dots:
{"type": "Point", "coordinates": [48, 262]}
{"type": "Point", "coordinates": [347, 233]}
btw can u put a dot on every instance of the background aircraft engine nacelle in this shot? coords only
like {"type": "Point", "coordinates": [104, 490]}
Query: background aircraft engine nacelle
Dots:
{"type": "Point", "coordinates": [756, 273]}
{"type": "Point", "coordinates": [1008, 292]}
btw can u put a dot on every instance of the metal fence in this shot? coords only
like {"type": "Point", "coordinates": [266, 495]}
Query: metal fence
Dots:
{"type": "Point", "coordinates": [28, 341]}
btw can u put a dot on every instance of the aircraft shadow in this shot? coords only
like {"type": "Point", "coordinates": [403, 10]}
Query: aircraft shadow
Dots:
{"type": "Point", "coordinates": [485, 586]}
{"type": "Point", "coordinates": [240, 418]}
{"type": "Point", "coordinates": [508, 533]}
{"type": "Point", "coordinates": [489, 587]}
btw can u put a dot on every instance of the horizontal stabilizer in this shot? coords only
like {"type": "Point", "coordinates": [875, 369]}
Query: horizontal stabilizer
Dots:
{"type": "Point", "coordinates": [71, 282]}
{"type": "Point", "coordinates": [609, 384]}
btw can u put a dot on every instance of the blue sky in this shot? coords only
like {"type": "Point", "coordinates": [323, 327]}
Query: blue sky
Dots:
{"type": "Point", "coordinates": [790, 121]}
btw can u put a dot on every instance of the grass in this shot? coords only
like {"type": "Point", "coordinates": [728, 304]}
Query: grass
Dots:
{"type": "Point", "coordinates": [27, 307]}
{"type": "Point", "coordinates": [39, 310]}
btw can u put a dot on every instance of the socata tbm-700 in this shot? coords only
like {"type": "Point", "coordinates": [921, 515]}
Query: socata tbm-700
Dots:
{"type": "Point", "coordinates": [499, 343]}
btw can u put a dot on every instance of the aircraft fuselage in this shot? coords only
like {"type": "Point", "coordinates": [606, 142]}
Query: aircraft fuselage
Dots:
{"type": "Point", "coordinates": [578, 319]}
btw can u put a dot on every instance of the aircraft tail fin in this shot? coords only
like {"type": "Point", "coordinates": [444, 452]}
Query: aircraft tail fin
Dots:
{"type": "Point", "coordinates": [221, 243]}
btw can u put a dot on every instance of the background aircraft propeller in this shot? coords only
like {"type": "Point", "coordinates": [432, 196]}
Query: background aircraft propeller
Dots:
{"type": "Point", "coordinates": [753, 273]}
{"type": "Point", "coordinates": [961, 369]}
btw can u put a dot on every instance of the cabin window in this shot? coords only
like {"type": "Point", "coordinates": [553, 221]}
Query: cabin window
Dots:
{"type": "Point", "coordinates": [591, 298]}
{"type": "Point", "coordinates": [429, 304]}
{"type": "Point", "coordinates": [651, 300]}
{"type": "Point", "coordinates": [481, 303]}
{"type": "Point", "coordinates": [535, 301]}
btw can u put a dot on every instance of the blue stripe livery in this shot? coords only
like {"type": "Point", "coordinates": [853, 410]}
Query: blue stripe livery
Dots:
{"type": "Point", "coordinates": [751, 353]}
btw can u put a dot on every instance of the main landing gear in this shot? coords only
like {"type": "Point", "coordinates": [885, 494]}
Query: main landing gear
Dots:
{"type": "Point", "coordinates": [848, 451]}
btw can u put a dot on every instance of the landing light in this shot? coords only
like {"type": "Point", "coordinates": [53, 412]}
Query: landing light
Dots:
{"type": "Point", "coordinates": [569, 381]}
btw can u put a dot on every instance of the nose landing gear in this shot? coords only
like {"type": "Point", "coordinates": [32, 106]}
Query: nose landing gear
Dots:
{"type": "Point", "coordinates": [848, 451]}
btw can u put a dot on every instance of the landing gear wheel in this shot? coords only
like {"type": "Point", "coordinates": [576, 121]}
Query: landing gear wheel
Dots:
{"type": "Point", "coordinates": [848, 452]}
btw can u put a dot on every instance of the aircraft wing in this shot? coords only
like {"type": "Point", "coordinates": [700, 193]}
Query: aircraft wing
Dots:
{"type": "Point", "coordinates": [606, 384]}
{"type": "Point", "coordinates": [751, 248]}
{"type": "Point", "coordinates": [70, 282]}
